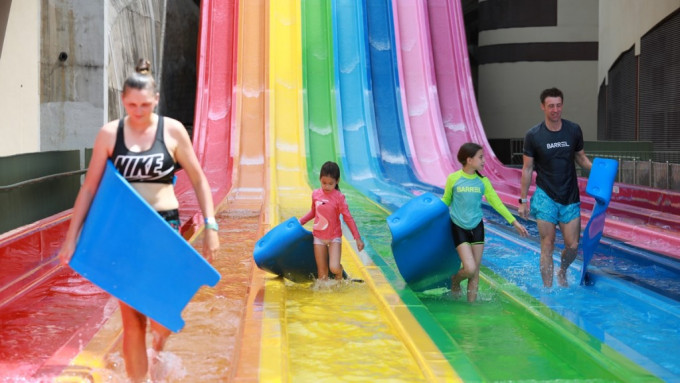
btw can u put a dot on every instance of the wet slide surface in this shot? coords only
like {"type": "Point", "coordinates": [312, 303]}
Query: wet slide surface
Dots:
{"type": "Point", "coordinates": [528, 257]}
{"type": "Point", "coordinates": [474, 353]}
{"type": "Point", "coordinates": [330, 332]}
{"type": "Point", "coordinates": [253, 327]}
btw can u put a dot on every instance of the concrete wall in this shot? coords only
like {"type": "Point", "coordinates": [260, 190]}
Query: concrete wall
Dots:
{"type": "Point", "coordinates": [135, 30]}
{"type": "Point", "coordinates": [63, 64]}
{"type": "Point", "coordinates": [622, 23]}
{"type": "Point", "coordinates": [508, 93]}
{"type": "Point", "coordinates": [19, 76]}
{"type": "Point", "coordinates": [72, 71]}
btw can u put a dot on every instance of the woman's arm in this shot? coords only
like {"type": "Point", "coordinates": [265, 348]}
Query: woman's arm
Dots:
{"type": "Point", "coordinates": [186, 157]}
{"type": "Point", "coordinates": [101, 151]}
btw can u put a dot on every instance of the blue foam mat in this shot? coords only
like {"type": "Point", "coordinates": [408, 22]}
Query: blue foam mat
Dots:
{"type": "Point", "coordinates": [128, 250]}
{"type": "Point", "coordinates": [600, 184]}
{"type": "Point", "coordinates": [287, 250]}
{"type": "Point", "coordinates": [422, 243]}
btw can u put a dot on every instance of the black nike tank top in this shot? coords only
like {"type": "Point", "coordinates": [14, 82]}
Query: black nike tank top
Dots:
{"type": "Point", "coordinates": [153, 165]}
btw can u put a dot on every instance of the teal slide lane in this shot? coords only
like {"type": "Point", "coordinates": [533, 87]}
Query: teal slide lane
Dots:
{"type": "Point", "coordinates": [528, 346]}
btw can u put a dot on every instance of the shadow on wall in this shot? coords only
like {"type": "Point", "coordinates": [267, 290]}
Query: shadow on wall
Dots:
{"type": "Point", "coordinates": [4, 17]}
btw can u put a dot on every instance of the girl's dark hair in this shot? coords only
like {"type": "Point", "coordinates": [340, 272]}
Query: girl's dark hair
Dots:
{"type": "Point", "coordinates": [331, 169]}
{"type": "Point", "coordinates": [468, 150]}
{"type": "Point", "coordinates": [142, 78]}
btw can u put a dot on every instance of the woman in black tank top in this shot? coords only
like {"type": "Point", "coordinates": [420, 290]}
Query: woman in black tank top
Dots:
{"type": "Point", "coordinates": [155, 145]}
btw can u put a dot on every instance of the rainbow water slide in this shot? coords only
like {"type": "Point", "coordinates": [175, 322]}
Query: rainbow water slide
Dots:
{"type": "Point", "coordinates": [325, 334]}
{"type": "Point", "coordinates": [267, 117]}
{"type": "Point", "coordinates": [613, 332]}
{"type": "Point", "coordinates": [478, 352]}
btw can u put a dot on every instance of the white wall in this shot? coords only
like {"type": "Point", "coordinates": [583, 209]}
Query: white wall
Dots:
{"type": "Point", "coordinates": [19, 77]}
{"type": "Point", "coordinates": [508, 93]}
{"type": "Point", "coordinates": [514, 89]}
{"type": "Point", "coordinates": [622, 23]}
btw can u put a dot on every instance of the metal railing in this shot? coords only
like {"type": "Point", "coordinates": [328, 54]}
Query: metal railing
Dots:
{"type": "Point", "coordinates": [656, 169]}
{"type": "Point", "coordinates": [50, 177]}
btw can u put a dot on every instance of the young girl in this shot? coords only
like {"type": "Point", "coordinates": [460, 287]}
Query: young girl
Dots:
{"type": "Point", "coordinates": [466, 188]}
{"type": "Point", "coordinates": [328, 203]}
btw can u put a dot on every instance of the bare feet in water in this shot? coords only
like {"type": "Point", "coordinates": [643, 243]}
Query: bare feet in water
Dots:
{"type": "Point", "coordinates": [562, 278]}
{"type": "Point", "coordinates": [455, 289]}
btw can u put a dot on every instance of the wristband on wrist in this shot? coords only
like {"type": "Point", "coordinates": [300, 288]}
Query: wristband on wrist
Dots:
{"type": "Point", "coordinates": [523, 200]}
{"type": "Point", "coordinates": [211, 223]}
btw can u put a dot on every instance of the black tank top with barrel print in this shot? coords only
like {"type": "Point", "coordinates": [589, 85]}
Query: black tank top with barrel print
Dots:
{"type": "Point", "coordinates": [153, 165]}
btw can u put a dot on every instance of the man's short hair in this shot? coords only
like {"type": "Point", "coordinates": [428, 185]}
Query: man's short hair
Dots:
{"type": "Point", "coordinates": [551, 92]}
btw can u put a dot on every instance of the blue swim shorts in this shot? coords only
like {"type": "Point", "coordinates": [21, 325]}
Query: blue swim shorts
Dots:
{"type": "Point", "coordinates": [544, 208]}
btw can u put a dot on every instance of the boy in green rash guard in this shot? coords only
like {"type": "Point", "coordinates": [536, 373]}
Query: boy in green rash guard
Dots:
{"type": "Point", "coordinates": [463, 194]}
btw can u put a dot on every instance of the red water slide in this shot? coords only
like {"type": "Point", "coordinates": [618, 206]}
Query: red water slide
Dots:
{"type": "Point", "coordinates": [48, 312]}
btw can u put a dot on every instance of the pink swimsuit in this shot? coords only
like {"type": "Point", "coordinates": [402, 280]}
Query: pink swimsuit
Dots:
{"type": "Point", "coordinates": [326, 211]}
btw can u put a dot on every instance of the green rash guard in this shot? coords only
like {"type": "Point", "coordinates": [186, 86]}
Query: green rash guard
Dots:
{"type": "Point", "coordinates": [466, 191]}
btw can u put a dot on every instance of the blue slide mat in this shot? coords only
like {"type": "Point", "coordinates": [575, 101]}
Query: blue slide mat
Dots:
{"type": "Point", "coordinates": [128, 250]}
{"type": "Point", "coordinates": [287, 250]}
{"type": "Point", "coordinates": [422, 243]}
{"type": "Point", "coordinates": [600, 184]}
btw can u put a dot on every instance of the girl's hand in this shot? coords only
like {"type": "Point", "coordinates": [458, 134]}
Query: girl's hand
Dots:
{"type": "Point", "coordinates": [360, 244]}
{"type": "Point", "coordinates": [520, 228]}
{"type": "Point", "coordinates": [211, 243]}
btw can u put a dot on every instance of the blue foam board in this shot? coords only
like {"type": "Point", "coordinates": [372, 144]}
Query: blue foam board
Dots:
{"type": "Point", "coordinates": [287, 250]}
{"type": "Point", "coordinates": [600, 185]}
{"type": "Point", "coordinates": [128, 250]}
{"type": "Point", "coordinates": [422, 243]}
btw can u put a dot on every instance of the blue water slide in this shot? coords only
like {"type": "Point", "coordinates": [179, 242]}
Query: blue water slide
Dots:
{"type": "Point", "coordinates": [395, 158]}
{"type": "Point", "coordinates": [355, 110]}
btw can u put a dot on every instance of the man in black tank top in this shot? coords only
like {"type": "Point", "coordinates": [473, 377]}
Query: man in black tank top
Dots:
{"type": "Point", "coordinates": [551, 148]}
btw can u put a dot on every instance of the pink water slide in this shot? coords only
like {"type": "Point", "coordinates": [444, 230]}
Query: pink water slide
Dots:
{"type": "Point", "coordinates": [433, 55]}
{"type": "Point", "coordinates": [426, 141]}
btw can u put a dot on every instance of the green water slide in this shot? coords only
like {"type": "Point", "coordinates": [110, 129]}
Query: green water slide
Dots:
{"type": "Point", "coordinates": [505, 336]}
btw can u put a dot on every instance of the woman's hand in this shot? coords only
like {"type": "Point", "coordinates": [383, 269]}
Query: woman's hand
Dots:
{"type": "Point", "coordinates": [520, 228]}
{"type": "Point", "coordinates": [211, 243]}
{"type": "Point", "coordinates": [66, 252]}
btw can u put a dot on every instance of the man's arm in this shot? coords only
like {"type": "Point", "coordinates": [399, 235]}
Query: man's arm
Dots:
{"type": "Point", "coordinates": [527, 173]}
{"type": "Point", "coordinates": [582, 160]}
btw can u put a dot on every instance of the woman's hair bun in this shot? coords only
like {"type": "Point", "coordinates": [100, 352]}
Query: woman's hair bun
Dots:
{"type": "Point", "coordinates": [143, 67]}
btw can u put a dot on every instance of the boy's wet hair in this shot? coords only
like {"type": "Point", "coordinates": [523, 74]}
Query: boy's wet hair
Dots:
{"type": "Point", "coordinates": [331, 169]}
